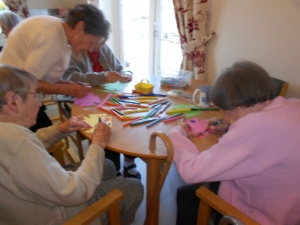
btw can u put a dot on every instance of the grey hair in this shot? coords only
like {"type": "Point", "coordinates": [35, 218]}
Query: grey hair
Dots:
{"type": "Point", "coordinates": [94, 20]}
{"type": "Point", "coordinates": [9, 19]}
{"type": "Point", "coordinates": [14, 80]}
{"type": "Point", "coordinates": [243, 84]}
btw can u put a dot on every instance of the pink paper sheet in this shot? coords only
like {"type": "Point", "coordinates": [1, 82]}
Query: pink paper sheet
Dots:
{"type": "Point", "coordinates": [88, 100]}
{"type": "Point", "coordinates": [197, 126]}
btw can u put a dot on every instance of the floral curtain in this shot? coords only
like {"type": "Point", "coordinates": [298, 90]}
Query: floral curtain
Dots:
{"type": "Point", "coordinates": [191, 21]}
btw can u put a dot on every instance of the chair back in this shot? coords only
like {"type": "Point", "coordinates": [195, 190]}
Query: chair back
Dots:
{"type": "Point", "coordinates": [108, 203]}
{"type": "Point", "coordinates": [209, 200]}
{"type": "Point", "coordinates": [280, 87]}
{"type": "Point", "coordinates": [164, 170]}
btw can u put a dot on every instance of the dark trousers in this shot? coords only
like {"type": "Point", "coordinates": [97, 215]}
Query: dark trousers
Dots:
{"type": "Point", "coordinates": [188, 204]}
{"type": "Point", "coordinates": [115, 157]}
{"type": "Point", "coordinates": [42, 120]}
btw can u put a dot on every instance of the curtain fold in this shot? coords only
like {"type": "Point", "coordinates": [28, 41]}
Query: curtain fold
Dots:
{"type": "Point", "coordinates": [191, 19]}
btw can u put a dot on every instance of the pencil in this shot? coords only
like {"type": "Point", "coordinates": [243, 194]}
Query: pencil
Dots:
{"type": "Point", "coordinates": [154, 122]}
{"type": "Point", "coordinates": [135, 110]}
{"type": "Point", "coordinates": [104, 100]}
{"type": "Point", "coordinates": [163, 108]}
{"type": "Point", "coordinates": [190, 109]}
{"type": "Point", "coordinates": [174, 118]}
{"type": "Point", "coordinates": [128, 123]}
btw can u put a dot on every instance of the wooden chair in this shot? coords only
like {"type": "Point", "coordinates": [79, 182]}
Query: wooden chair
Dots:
{"type": "Point", "coordinates": [280, 87]}
{"type": "Point", "coordinates": [164, 170]}
{"type": "Point", "coordinates": [210, 200]}
{"type": "Point", "coordinates": [59, 148]}
{"type": "Point", "coordinates": [109, 203]}
{"type": "Point", "coordinates": [75, 137]}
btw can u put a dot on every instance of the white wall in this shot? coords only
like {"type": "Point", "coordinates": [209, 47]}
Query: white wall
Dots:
{"type": "Point", "coordinates": [264, 31]}
{"type": "Point", "coordinates": [52, 4]}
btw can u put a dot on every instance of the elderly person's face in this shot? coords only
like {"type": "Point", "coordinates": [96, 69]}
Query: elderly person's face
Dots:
{"type": "Point", "coordinates": [80, 41]}
{"type": "Point", "coordinates": [29, 109]}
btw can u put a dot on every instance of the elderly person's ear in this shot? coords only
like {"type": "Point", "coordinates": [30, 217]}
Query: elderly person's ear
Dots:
{"type": "Point", "coordinates": [11, 101]}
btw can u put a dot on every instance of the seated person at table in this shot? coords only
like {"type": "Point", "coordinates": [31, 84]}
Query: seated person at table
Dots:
{"type": "Point", "coordinates": [97, 67]}
{"type": "Point", "coordinates": [34, 188]}
{"type": "Point", "coordinates": [8, 20]}
{"type": "Point", "coordinates": [257, 160]}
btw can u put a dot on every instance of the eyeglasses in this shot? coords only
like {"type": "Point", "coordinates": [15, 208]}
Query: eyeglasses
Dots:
{"type": "Point", "coordinates": [38, 96]}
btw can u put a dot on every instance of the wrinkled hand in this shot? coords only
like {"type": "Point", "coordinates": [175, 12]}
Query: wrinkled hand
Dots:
{"type": "Point", "coordinates": [101, 135]}
{"type": "Point", "coordinates": [181, 122]}
{"type": "Point", "coordinates": [73, 124]}
{"type": "Point", "coordinates": [77, 90]}
{"type": "Point", "coordinates": [126, 78]}
{"type": "Point", "coordinates": [112, 77]}
{"type": "Point", "coordinates": [223, 126]}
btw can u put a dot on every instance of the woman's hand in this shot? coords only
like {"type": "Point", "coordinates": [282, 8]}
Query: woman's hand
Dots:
{"type": "Point", "coordinates": [73, 124]}
{"type": "Point", "coordinates": [181, 122]}
{"type": "Point", "coordinates": [223, 126]}
{"type": "Point", "coordinates": [126, 78]}
{"type": "Point", "coordinates": [78, 90]}
{"type": "Point", "coordinates": [101, 135]}
{"type": "Point", "coordinates": [112, 77]}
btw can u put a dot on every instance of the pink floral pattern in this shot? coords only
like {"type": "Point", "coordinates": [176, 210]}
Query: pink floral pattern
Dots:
{"type": "Point", "coordinates": [192, 25]}
{"type": "Point", "coordinates": [193, 34]}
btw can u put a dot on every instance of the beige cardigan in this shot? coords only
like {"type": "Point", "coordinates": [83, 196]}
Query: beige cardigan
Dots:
{"type": "Point", "coordinates": [34, 188]}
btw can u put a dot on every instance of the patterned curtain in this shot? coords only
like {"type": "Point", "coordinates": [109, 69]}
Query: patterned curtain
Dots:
{"type": "Point", "coordinates": [191, 21]}
{"type": "Point", "coordinates": [18, 6]}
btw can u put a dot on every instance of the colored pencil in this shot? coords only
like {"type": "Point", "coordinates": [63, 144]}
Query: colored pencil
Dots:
{"type": "Point", "coordinates": [104, 100]}
{"type": "Point", "coordinates": [154, 122]}
{"type": "Point", "coordinates": [174, 118]}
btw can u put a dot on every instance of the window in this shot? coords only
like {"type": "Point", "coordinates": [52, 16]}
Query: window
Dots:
{"type": "Point", "coordinates": [149, 36]}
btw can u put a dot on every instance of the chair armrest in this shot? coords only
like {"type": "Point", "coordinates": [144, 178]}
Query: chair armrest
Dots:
{"type": "Point", "coordinates": [210, 200]}
{"type": "Point", "coordinates": [109, 203]}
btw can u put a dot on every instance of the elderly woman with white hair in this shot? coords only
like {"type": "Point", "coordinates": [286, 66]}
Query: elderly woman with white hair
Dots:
{"type": "Point", "coordinates": [257, 160]}
{"type": "Point", "coordinates": [8, 20]}
{"type": "Point", "coordinates": [34, 188]}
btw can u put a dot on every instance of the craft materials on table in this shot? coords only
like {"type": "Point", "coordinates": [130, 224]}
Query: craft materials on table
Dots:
{"type": "Point", "coordinates": [198, 126]}
{"type": "Point", "coordinates": [89, 100]}
{"type": "Point", "coordinates": [104, 100]}
{"type": "Point", "coordinates": [190, 109]}
{"type": "Point", "coordinates": [188, 114]}
{"type": "Point", "coordinates": [188, 96]}
{"type": "Point", "coordinates": [144, 87]}
{"type": "Point", "coordinates": [208, 128]}
{"type": "Point", "coordinates": [93, 119]}
{"type": "Point", "coordinates": [117, 86]}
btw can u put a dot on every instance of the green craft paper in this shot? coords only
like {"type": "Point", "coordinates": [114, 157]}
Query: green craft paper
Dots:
{"type": "Point", "coordinates": [190, 114]}
{"type": "Point", "coordinates": [117, 86]}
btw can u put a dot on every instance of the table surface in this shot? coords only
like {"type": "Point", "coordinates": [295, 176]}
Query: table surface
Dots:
{"type": "Point", "coordinates": [134, 140]}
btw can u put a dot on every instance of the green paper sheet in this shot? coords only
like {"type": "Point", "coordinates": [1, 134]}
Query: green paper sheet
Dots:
{"type": "Point", "coordinates": [190, 114]}
{"type": "Point", "coordinates": [117, 86]}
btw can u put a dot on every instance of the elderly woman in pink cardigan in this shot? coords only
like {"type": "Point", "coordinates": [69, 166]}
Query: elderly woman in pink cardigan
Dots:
{"type": "Point", "coordinates": [257, 161]}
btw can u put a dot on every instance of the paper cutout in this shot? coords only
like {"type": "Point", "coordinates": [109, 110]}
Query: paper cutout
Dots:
{"type": "Point", "coordinates": [189, 114]}
{"type": "Point", "coordinates": [88, 100]}
{"type": "Point", "coordinates": [117, 86]}
{"type": "Point", "coordinates": [105, 100]}
{"type": "Point", "coordinates": [197, 125]}
{"type": "Point", "coordinates": [93, 120]}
